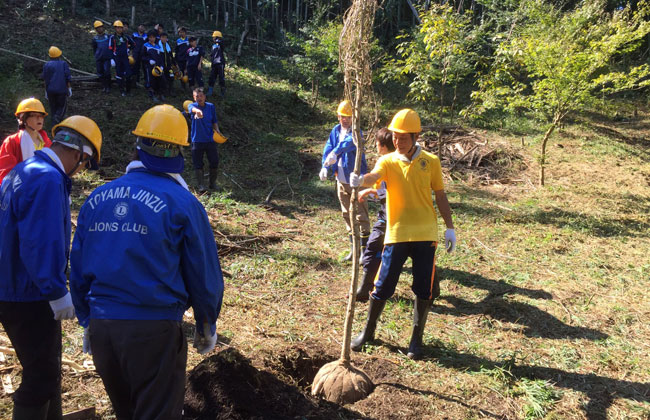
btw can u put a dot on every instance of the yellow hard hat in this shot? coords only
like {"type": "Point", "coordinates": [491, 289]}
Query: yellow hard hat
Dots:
{"type": "Point", "coordinates": [217, 34]}
{"type": "Point", "coordinates": [185, 79]}
{"type": "Point", "coordinates": [186, 105]}
{"type": "Point", "coordinates": [164, 123]}
{"type": "Point", "coordinates": [97, 24]}
{"type": "Point", "coordinates": [54, 52]}
{"type": "Point", "coordinates": [118, 24]}
{"type": "Point", "coordinates": [87, 128]}
{"type": "Point", "coordinates": [405, 121]}
{"type": "Point", "coordinates": [218, 138]}
{"type": "Point", "coordinates": [131, 60]}
{"type": "Point", "coordinates": [30, 105]}
{"type": "Point", "coordinates": [344, 109]}
{"type": "Point", "coordinates": [157, 71]}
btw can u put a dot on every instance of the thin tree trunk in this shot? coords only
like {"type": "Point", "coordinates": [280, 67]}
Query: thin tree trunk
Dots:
{"type": "Point", "coordinates": [542, 158]}
{"type": "Point", "coordinates": [216, 12]}
{"type": "Point", "coordinates": [150, 5]}
{"type": "Point", "coordinates": [234, 11]}
{"type": "Point", "coordinates": [205, 10]}
{"type": "Point", "coordinates": [108, 8]}
{"type": "Point", "coordinates": [74, 7]}
{"type": "Point", "coordinates": [225, 19]}
{"type": "Point", "coordinates": [133, 17]}
{"type": "Point", "coordinates": [297, 15]}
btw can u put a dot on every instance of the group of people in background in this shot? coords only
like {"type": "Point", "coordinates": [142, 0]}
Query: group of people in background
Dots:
{"type": "Point", "coordinates": [159, 60]}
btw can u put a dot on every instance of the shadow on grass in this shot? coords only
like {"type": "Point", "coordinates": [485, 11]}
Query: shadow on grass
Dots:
{"type": "Point", "coordinates": [600, 390]}
{"type": "Point", "coordinates": [536, 323]}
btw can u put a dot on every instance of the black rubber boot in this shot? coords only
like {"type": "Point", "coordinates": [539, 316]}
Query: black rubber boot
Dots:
{"type": "Point", "coordinates": [368, 334]}
{"type": "Point", "coordinates": [200, 179]}
{"type": "Point", "coordinates": [363, 291]}
{"type": "Point", "coordinates": [213, 179]}
{"type": "Point", "coordinates": [22, 412]}
{"type": "Point", "coordinates": [420, 312]}
{"type": "Point", "coordinates": [55, 409]}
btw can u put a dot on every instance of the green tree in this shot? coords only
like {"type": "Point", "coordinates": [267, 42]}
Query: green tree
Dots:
{"type": "Point", "coordinates": [555, 63]}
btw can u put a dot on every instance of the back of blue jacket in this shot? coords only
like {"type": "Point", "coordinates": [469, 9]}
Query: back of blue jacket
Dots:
{"type": "Point", "coordinates": [34, 231]}
{"type": "Point", "coordinates": [101, 47]}
{"type": "Point", "coordinates": [144, 250]}
{"type": "Point", "coordinates": [216, 54]}
{"type": "Point", "coordinates": [56, 74]}
{"type": "Point", "coordinates": [139, 42]}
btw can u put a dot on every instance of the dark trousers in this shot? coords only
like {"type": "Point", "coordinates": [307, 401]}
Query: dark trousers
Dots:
{"type": "Point", "coordinates": [123, 72]}
{"type": "Point", "coordinates": [36, 337]}
{"type": "Point", "coordinates": [58, 106]}
{"type": "Point", "coordinates": [182, 65]}
{"type": "Point", "coordinates": [217, 71]}
{"type": "Point", "coordinates": [142, 365]}
{"type": "Point", "coordinates": [104, 71]}
{"type": "Point", "coordinates": [371, 258]}
{"type": "Point", "coordinates": [137, 68]}
{"type": "Point", "coordinates": [425, 282]}
{"type": "Point", "coordinates": [155, 85]}
{"type": "Point", "coordinates": [195, 75]}
{"type": "Point", "coordinates": [205, 148]}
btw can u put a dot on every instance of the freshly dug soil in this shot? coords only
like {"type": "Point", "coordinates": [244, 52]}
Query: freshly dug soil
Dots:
{"type": "Point", "coordinates": [227, 386]}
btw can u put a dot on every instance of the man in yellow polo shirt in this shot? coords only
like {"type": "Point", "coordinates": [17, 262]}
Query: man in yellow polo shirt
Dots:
{"type": "Point", "coordinates": [410, 175]}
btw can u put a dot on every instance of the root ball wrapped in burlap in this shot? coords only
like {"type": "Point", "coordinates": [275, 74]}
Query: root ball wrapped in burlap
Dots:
{"type": "Point", "coordinates": [341, 383]}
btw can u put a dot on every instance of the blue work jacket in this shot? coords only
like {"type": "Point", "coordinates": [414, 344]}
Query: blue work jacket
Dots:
{"type": "Point", "coordinates": [345, 151]}
{"type": "Point", "coordinates": [144, 250]}
{"type": "Point", "coordinates": [101, 47]}
{"type": "Point", "coordinates": [56, 74]}
{"type": "Point", "coordinates": [34, 231]}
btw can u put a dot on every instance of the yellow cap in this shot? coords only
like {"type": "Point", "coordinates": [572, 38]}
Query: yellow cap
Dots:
{"type": "Point", "coordinates": [30, 105]}
{"type": "Point", "coordinates": [217, 34]}
{"type": "Point", "coordinates": [164, 123]}
{"type": "Point", "coordinates": [54, 52]}
{"type": "Point", "coordinates": [218, 138]}
{"type": "Point", "coordinates": [87, 128]}
{"type": "Point", "coordinates": [344, 109]}
{"type": "Point", "coordinates": [118, 24]}
{"type": "Point", "coordinates": [405, 121]}
{"type": "Point", "coordinates": [97, 24]}
{"type": "Point", "coordinates": [186, 105]}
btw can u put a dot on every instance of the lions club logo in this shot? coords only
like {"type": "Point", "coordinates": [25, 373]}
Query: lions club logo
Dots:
{"type": "Point", "coordinates": [424, 164]}
{"type": "Point", "coordinates": [121, 210]}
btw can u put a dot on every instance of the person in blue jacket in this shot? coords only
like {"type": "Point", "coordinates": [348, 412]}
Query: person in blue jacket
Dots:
{"type": "Point", "coordinates": [218, 61]}
{"type": "Point", "coordinates": [35, 231]}
{"type": "Point", "coordinates": [152, 57]}
{"type": "Point", "coordinates": [182, 46]}
{"type": "Point", "coordinates": [339, 157]}
{"type": "Point", "coordinates": [371, 258]}
{"type": "Point", "coordinates": [139, 38]}
{"type": "Point", "coordinates": [204, 124]}
{"type": "Point", "coordinates": [120, 44]}
{"type": "Point", "coordinates": [142, 254]}
{"type": "Point", "coordinates": [194, 57]}
{"type": "Point", "coordinates": [103, 55]}
{"type": "Point", "coordinates": [169, 62]}
{"type": "Point", "coordinates": [56, 74]}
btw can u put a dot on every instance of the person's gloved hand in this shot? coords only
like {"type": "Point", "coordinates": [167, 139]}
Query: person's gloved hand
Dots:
{"type": "Point", "coordinates": [86, 342]}
{"type": "Point", "coordinates": [62, 307]}
{"type": "Point", "coordinates": [323, 174]}
{"type": "Point", "coordinates": [450, 240]}
{"type": "Point", "coordinates": [152, 62]}
{"type": "Point", "coordinates": [355, 180]}
{"type": "Point", "coordinates": [112, 63]}
{"type": "Point", "coordinates": [330, 159]}
{"type": "Point", "coordinates": [204, 342]}
{"type": "Point", "coordinates": [69, 92]}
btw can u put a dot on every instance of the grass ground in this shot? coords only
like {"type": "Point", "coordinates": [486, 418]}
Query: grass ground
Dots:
{"type": "Point", "coordinates": [543, 303]}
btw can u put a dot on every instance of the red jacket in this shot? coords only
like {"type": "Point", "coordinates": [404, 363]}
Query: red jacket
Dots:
{"type": "Point", "coordinates": [10, 153]}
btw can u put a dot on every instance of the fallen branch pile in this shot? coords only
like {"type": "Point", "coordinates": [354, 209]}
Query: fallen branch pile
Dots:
{"type": "Point", "coordinates": [244, 244]}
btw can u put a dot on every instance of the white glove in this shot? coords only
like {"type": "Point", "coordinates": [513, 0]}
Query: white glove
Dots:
{"type": "Point", "coordinates": [69, 92]}
{"type": "Point", "coordinates": [450, 240]}
{"type": "Point", "coordinates": [331, 159]}
{"type": "Point", "coordinates": [323, 174]}
{"type": "Point", "coordinates": [205, 343]}
{"type": "Point", "coordinates": [152, 62]}
{"type": "Point", "coordinates": [62, 307]}
{"type": "Point", "coordinates": [46, 96]}
{"type": "Point", "coordinates": [112, 63]}
{"type": "Point", "coordinates": [86, 342]}
{"type": "Point", "coordinates": [355, 180]}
